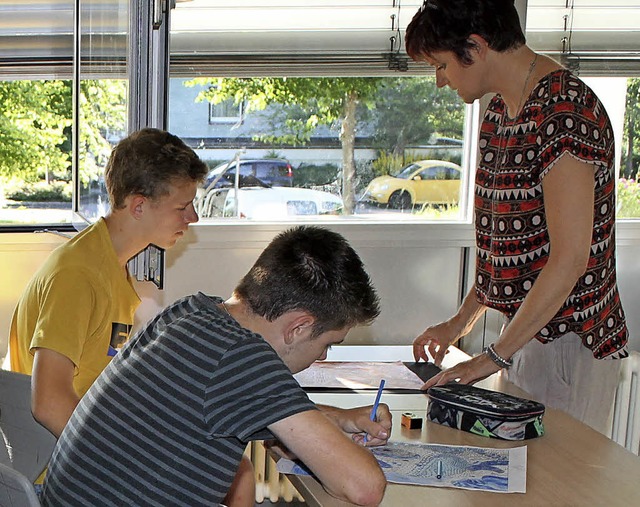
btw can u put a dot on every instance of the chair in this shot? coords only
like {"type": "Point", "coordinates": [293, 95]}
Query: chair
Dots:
{"type": "Point", "coordinates": [28, 444]}
{"type": "Point", "coordinates": [15, 489]}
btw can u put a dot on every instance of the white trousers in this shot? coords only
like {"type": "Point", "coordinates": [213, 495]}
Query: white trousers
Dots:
{"type": "Point", "coordinates": [564, 375]}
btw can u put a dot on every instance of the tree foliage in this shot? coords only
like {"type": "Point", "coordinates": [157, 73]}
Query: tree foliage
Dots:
{"type": "Point", "coordinates": [318, 100]}
{"type": "Point", "coordinates": [309, 102]}
{"type": "Point", "coordinates": [36, 123]}
{"type": "Point", "coordinates": [410, 110]}
{"type": "Point", "coordinates": [35, 118]}
{"type": "Point", "coordinates": [631, 155]}
{"type": "Point", "coordinates": [103, 116]}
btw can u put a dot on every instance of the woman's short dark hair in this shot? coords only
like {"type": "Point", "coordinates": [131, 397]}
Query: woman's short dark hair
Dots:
{"type": "Point", "coordinates": [445, 25]}
{"type": "Point", "coordinates": [315, 270]}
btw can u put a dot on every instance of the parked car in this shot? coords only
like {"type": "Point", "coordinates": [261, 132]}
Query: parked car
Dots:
{"type": "Point", "coordinates": [420, 182]}
{"type": "Point", "coordinates": [266, 172]}
{"type": "Point", "coordinates": [266, 203]}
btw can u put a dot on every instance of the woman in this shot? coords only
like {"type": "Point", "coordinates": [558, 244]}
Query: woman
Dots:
{"type": "Point", "coordinates": [544, 213]}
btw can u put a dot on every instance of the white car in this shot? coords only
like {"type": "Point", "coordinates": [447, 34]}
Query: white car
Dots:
{"type": "Point", "coordinates": [266, 203]}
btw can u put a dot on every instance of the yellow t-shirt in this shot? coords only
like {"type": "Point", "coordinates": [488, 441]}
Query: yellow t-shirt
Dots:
{"type": "Point", "coordinates": [80, 303]}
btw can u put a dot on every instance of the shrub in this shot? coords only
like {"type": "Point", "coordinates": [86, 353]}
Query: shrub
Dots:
{"type": "Point", "coordinates": [454, 156]}
{"type": "Point", "coordinates": [628, 198]}
{"type": "Point", "coordinates": [56, 191]}
{"type": "Point", "coordinates": [314, 175]}
{"type": "Point", "coordinates": [390, 163]}
{"type": "Point", "coordinates": [451, 212]}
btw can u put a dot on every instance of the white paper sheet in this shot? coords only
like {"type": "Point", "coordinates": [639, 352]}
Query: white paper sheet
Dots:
{"type": "Point", "coordinates": [464, 467]}
{"type": "Point", "coordinates": [358, 375]}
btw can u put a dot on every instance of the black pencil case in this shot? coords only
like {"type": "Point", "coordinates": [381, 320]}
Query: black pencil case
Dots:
{"type": "Point", "coordinates": [484, 412]}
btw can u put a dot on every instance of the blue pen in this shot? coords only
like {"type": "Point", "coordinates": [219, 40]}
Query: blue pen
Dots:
{"type": "Point", "coordinates": [375, 405]}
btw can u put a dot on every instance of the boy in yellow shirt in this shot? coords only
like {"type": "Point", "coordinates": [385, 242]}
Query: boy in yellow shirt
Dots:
{"type": "Point", "coordinates": [78, 308]}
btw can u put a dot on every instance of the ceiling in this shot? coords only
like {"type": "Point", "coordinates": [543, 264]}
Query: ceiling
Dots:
{"type": "Point", "coordinates": [343, 31]}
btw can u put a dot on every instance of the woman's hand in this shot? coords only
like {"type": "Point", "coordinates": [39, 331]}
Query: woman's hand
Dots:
{"type": "Point", "coordinates": [467, 372]}
{"type": "Point", "coordinates": [436, 340]}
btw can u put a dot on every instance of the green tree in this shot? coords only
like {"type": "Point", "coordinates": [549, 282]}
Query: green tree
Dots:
{"type": "Point", "coordinates": [36, 128]}
{"type": "Point", "coordinates": [103, 116]}
{"type": "Point", "coordinates": [313, 102]}
{"type": "Point", "coordinates": [632, 130]}
{"type": "Point", "coordinates": [410, 110]}
{"type": "Point", "coordinates": [35, 117]}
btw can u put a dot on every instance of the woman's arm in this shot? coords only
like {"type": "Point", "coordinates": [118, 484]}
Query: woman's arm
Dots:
{"type": "Point", "coordinates": [569, 199]}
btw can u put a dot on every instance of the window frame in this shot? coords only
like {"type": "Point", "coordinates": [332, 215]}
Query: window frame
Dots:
{"type": "Point", "coordinates": [153, 48]}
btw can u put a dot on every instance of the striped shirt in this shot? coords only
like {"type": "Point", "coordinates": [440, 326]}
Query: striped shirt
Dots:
{"type": "Point", "coordinates": [167, 421]}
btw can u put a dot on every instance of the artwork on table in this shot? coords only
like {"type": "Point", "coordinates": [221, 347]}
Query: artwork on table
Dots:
{"type": "Point", "coordinates": [358, 375]}
{"type": "Point", "coordinates": [454, 466]}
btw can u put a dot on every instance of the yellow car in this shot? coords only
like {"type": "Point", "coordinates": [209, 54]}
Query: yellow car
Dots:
{"type": "Point", "coordinates": [420, 182]}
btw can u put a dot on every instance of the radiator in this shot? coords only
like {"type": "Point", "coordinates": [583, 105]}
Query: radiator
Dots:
{"type": "Point", "coordinates": [626, 420]}
{"type": "Point", "coordinates": [270, 484]}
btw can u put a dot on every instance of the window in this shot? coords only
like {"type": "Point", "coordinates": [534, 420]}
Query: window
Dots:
{"type": "Point", "coordinates": [225, 112]}
{"type": "Point", "coordinates": [35, 165]}
{"type": "Point", "coordinates": [620, 97]}
{"type": "Point", "coordinates": [250, 44]}
{"type": "Point", "coordinates": [42, 180]}
{"type": "Point", "coordinates": [300, 141]}
{"type": "Point", "coordinates": [102, 89]}
{"type": "Point", "coordinates": [440, 173]}
{"type": "Point", "coordinates": [217, 43]}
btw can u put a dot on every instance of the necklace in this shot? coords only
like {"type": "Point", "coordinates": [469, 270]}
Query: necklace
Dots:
{"type": "Point", "coordinates": [500, 152]}
{"type": "Point", "coordinates": [532, 66]}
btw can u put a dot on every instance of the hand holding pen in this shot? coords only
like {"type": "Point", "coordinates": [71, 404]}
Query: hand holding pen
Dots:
{"type": "Point", "coordinates": [365, 425]}
{"type": "Point", "coordinates": [374, 409]}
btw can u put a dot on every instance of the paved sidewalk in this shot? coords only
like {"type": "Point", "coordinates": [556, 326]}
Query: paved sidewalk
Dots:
{"type": "Point", "coordinates": [25, 213]}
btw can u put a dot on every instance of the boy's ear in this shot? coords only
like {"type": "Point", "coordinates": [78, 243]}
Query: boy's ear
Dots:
{"type": "Point", "coordinates": [135, 205]}
{"type": "Point", "coordinates": [298, 327]}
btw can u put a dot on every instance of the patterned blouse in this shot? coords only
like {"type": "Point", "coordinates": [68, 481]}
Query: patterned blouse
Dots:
{"type": "Point", "coordinates": [562, 116]}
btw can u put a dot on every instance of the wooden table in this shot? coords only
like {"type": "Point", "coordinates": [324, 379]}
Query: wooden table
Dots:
{"type": "Point", "coordinates": [571, 465]}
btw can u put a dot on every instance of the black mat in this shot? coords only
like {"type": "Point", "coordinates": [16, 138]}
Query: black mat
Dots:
{"type": "Point", "coordinates": [424, 370]}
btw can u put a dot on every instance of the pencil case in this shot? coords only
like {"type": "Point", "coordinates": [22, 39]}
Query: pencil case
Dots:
{"type": "Point", "coordinates": [484, 412]}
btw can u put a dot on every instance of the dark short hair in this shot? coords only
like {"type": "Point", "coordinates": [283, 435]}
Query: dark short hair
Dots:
{"type": "Point", "coordinates": [315, 270]}
{"type": "Point", "coordinates": [445, 25]}
{"type": "Point", "coordinates": [147, 162]}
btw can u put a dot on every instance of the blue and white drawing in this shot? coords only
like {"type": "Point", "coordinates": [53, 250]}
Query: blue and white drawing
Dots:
{"type": "Point", "coordinates": [478, 468]}
{"type": "Point", "coordinates": [464, 467]}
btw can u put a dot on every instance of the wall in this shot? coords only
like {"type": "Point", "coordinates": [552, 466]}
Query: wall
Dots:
{"type": "Point", "coordinates": [416, 274]}
{"type": "Point", "coordinates": [417, 269]}
{"type": "Point", "coordinates": [20, 257]}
